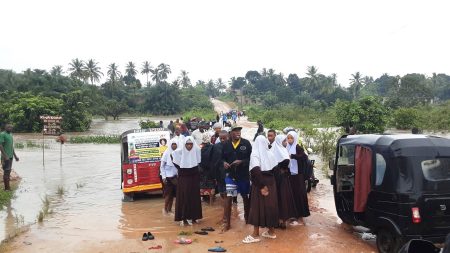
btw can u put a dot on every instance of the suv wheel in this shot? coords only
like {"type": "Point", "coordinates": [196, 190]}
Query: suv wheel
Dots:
{"type": "Point", "coordinates": [388, 242]}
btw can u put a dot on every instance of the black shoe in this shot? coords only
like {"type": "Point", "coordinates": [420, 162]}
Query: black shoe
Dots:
{"type": "Point", "coordinates": [150, 236]}
{"type": "Point", "coordinates": [145, 237]}
{"type": "Point", "coordinates": [201, 232]}
{"type": "Point", "coordinates": [209, 229]}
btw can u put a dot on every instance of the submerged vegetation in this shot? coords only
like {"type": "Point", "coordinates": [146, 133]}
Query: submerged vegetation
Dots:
{"type": "Point", "coordinates": [96, 139]}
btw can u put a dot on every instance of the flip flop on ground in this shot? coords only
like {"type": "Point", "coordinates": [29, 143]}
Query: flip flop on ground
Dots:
{"type": "Point", "coordinates": [217, 249]}
{"type": "Point", "coordinates": [201, 232]}
{"type": "Point", "coordinates": [183, 241]}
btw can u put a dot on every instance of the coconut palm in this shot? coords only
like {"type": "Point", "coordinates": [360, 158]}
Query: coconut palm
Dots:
{"type": "Point", "coordinates": [184, 79]}
{"type": "Point", "coordinates": [356, 84]}
{"type": "Point", "coordinates": [155, 75]}
{"type": "Point", "coordinates": [76, 69]}
{"type": "Point", "coordinates": [130, 69]}
{"type": "Point", "coordinates": [113, 72]}
{"type": "Point", "coordinates": [57, 70]}
{"type": "Point", "coordinates": [313, 74]}
{"type": "Point", "coordinates": [146, 69]}
{"type": "Point", "coordinates": [92, 71]}
{"type": "Point", "coordinates": [164, 71]}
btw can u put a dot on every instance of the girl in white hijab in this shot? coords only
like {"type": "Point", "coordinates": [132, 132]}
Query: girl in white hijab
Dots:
{"type": "Point", "coordinates": [263, 203]}
{"type": "Point", "coordinates": [169, 175]}
{"type": "Point", "coordinates": [188, 206]}
{"type": "Point", "coordinates": [297, 180]}
{"type": "Point", "coordinates": [286, 203]}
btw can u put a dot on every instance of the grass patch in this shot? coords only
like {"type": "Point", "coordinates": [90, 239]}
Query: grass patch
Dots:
{"type": "Point", "coordinates": [60, 191]}
{"type": "Point", "coordinates": [205, 113]}
{"type": "Point", "coordinates": [45, 209]}
{"type": "Point", "coordinates": [96, 139]}
{"type": "Point", "coordinates": [80, 185]}
{"type": "Point", "coordinates": [6, 196]}
{"type": "Point", "coordinates": [29, 144]}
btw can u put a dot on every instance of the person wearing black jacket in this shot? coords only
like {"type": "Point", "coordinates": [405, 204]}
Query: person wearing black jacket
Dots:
{"type": "Point", "coordinates": [236, 157]}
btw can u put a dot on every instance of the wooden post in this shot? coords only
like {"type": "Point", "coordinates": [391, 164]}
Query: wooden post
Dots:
{"type": "Point", "coordinates": [43, 148]}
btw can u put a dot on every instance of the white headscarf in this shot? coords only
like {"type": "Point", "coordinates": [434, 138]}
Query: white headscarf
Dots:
{"type": "Point", "coordinates": [185, 158]}
{"type": "Point", "coordinates": [292, 149]}
{"type": "Point", "coordinates": [166, 159]}
{"type": "Point", "coordinates": [279, 151]}
{"type": "Point", "coordinates": [261, 155]}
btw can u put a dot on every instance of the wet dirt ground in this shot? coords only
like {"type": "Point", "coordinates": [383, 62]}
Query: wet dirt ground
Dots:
{"type": "Point", "coordinates": [90, 216]}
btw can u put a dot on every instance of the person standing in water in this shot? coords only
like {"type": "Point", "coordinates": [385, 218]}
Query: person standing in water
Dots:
{"type": "Point", "coordinates": [169, 176]}
{"type": "Point", "coordinates": [8, 153]}
{"type": "Point", "coordinates": [236, 156]}
{"type": "Point", "coordinates": [297, 169]}
{"type": "Point", "coordinates": [286, 203]}
{"type": "Point", "coordinates": [264, 197]}
{"type": "Point", "coordinates": [188, 207]}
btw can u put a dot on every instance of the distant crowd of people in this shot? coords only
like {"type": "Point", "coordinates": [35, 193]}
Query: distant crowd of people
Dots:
{"type": "Point", "coordinates": [268, 175]}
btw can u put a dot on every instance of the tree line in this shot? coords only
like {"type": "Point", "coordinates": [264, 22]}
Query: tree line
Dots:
{"type": "Point", "coordinates": [77, 93]}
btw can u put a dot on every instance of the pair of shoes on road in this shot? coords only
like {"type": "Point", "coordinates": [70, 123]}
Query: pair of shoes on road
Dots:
{"type": "Point", "coordinates": [147, 236]}
{"type": "Point", "coordinates": [251, 239]}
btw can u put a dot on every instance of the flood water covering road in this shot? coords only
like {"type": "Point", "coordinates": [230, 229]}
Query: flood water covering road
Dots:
{"type": "Point", "coordinates": [90, 217]}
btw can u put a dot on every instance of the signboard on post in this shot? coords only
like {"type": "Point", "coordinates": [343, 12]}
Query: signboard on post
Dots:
{"type": "Point", "coordinates": [52, 125]}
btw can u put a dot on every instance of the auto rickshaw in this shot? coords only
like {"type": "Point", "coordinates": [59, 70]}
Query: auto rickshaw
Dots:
{"type": "Point", "coordinates": [398, 186]}
{"type": "Point", "coordinates": [141, 151]}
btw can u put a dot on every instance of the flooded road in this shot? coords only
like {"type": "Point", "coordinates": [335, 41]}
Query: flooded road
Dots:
{"type": "Point", "coordinates": [89, 216]}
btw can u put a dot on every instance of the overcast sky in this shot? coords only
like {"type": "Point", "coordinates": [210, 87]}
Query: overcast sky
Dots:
{"type": "Point", "coordinates": [212, 39]}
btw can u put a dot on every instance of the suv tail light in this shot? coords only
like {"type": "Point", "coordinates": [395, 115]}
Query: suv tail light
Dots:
{"type": "Point", "coordinates": [416, 215]}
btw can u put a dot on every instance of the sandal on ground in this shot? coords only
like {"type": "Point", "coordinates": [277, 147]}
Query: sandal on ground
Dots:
{"type": "Point", "coordinates": [189, 222]}
{"type": "Point", "coordinates": [201, 232]}
{"type": "Point", "coordinates": [267, 235]}
{"type": "Point", "coordinates": [181, 223]}
{"type": "Point", "coordinates": [156, 247]}
{"type": "Point", "coordinates": [145, 237]}
{"type": "Point", "coordinates": [150, 236]}
{"type": "Point", "coordinates": [183, 241]}
{"type": "Point", "coordinates": [209, 229]}
{"type": "Point", "coordinates": [217, 249]}
{"type": "Point", "coordinates": [250, 239]}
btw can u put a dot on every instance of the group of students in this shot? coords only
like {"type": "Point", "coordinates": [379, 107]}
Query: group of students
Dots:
{"type": "Point", "coordinates": [268, 175]}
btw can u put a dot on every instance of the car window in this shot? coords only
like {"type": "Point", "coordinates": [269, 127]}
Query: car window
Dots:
{"type": "Point", "coordinates": [346, 155]}
{"type": "Point", "coordinates": [436, 169]}
{"type": "Point", "coordinates": [380, 169]}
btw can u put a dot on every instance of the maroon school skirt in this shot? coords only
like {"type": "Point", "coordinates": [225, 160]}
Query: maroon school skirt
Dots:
{"type": "Point", "coordinates": [299, 193]}
{"type": "Point", "coordinates": [188, 205]}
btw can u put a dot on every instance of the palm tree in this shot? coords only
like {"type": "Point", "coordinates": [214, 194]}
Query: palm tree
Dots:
{"type": "Point", "coordinates": [313, 77]}
{"type": "Point", "coordinates": [130, 69]}
{"type": "Point", "coordinates": [57, 70]}
{"type": "Point", "coordinates": [334, 79]}
{"type": "Point", "coordinates": [155, 75]}
{"type": "Point", "coordinates": [113, 72]}
{"type": "Point", "coordinates": [184, 79]}
{"type": "Point", "coordinates": [77, 69]}
{"type": "Point", "coordinates": [146, 69]}
{"type": "Point", "coordinates": [356, 84]}
{"type": "Point", "coordinates": [92, 71]}
{"type": "Point", "coordinates": [164, 71]}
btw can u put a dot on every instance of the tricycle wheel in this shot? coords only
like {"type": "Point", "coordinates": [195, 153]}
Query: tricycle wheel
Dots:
{"type": "Point", "coordinates": [388, 242]}
{"type": "Point", "coordinates": [128, 197]}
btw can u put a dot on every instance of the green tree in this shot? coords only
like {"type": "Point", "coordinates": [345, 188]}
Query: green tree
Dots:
{"type": "Point", "coordinates": [75, 112]}
{"type": "Point", "coordinates": [405, 118]}
{"type": "Point", "coordinates": [130, 69]}
{"type": "Point", "coordinates": [356, 84]}
{"type": "Point", "coordinates": [93, 71]}
{"type": "Point", "coordinates": [113, 72]}
{"type": "Point", "coordinates": [164, 71]}
{"type": "Point", "coordinates": [76, 69]}
{"type": "Point", "coordinates": [184, 79]}
{"type": "Point", "coordinates": [146, 70]}
{"type": "Point", "coordinates": [367, 114]}
{"type": "Point", "coordinates": [57, 71]}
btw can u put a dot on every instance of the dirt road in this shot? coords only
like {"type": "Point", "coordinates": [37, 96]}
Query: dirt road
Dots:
{"type": "Point", "coordinates": [92, 218]}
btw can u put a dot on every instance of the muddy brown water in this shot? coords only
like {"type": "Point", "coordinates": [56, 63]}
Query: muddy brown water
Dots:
{"type": "Point", "coordinates": [90, 216]}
